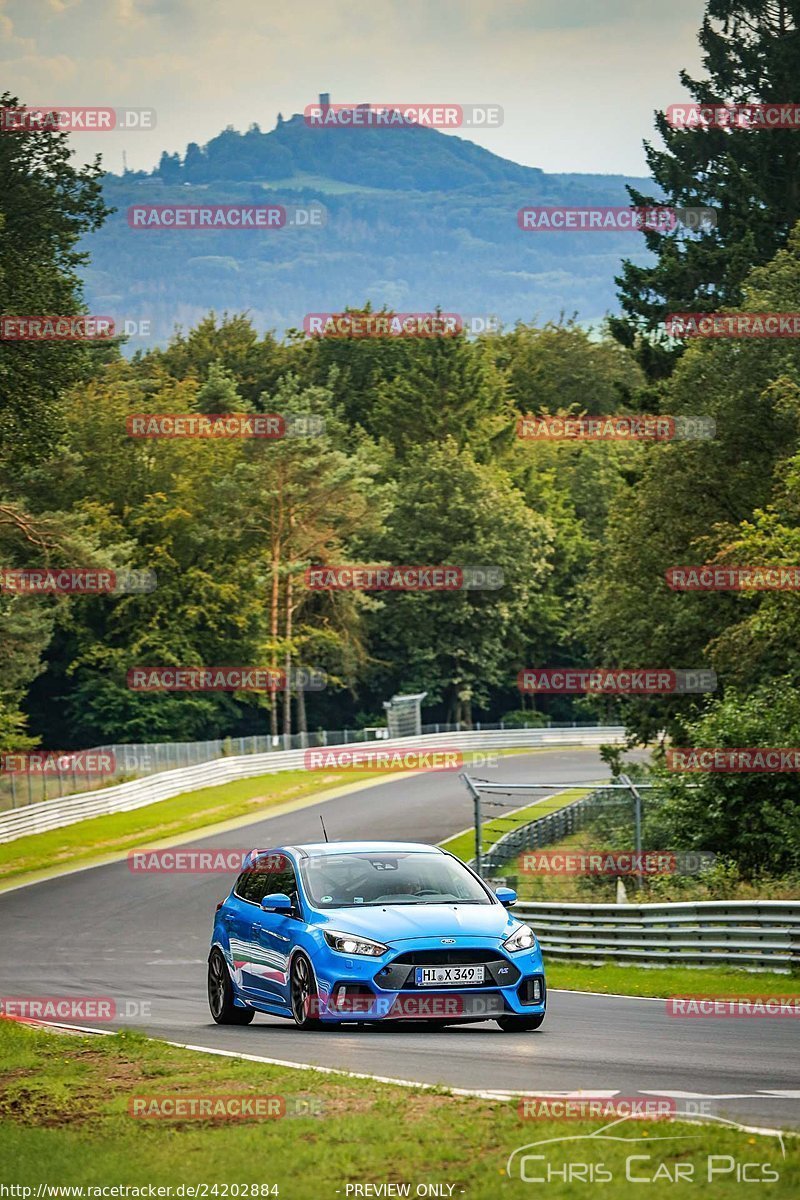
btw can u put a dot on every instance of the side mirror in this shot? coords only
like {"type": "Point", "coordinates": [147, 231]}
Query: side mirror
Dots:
{"type": "Point", "coordinates": [276, 902]}
{"type": "Point", "coordinates": [506, 896]}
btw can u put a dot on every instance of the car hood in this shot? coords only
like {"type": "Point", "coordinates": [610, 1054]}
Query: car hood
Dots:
{"type": "Point", "coordinates": [402, 922]}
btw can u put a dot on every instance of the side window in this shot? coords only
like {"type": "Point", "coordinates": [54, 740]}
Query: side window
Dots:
{"type": "Point", "coordinates": [247, 885]}
{"type": "Point", "coordinates": [285, 881]}
{"type": "Point", "coordinates": [270, 873]}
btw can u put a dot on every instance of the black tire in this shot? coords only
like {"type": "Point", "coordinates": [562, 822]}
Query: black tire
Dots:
{"type": "Point", "coordinates": [520, 1024]}
{"type": "Point", "coordinates": [303, 995]}
{"type": "Point", "coordinates": [220, 994]}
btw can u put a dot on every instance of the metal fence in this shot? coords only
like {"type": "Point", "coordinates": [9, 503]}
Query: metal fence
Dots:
{"type": "Point", "coordinates": [52, 814]}
{"type": "Point", "coordinates": [135, 760]}
{"type": "Point", "coordinates": [756, 935]}
{"type": "Point", "coordinates": [544, 831]}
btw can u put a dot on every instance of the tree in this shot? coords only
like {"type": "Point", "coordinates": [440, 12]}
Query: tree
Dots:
{"type": "Point", "coordinates": [459, 646]}
{"type": "Point", "coordinates": [752, 818]}
{"type": "Point", "coordinates": [46, 207]}
{"type": "Point", "coordinates": [559, 367]}
{"type": "Point", "coordinates": [686, 503]}
{"type": "Point", "coordinates": [169, 167]}
{"type": "Point", "coordinates": [450, 387]}
{"type": "Point", "coordinates": [219, 393]}
{"type": "Point", "coordinates": [232, 343]}
{"type": "Point", "coordinates": [750, 177]}
{"type": "Point", "coordinates": [304, 498]}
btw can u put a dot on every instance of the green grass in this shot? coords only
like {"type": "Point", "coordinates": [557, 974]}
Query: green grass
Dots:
{"type": "Point", "coordinates": [668, 981]}
{"type": "Point", "coordinates": [64, 1120]}
{"type": "Point", "coordinates": [463, 844]}
{"type": "Point", "coordinates": [86, 840]}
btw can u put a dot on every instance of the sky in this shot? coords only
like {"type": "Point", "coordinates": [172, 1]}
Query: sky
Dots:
{"type": "Point", "coordinates": [578, 80]}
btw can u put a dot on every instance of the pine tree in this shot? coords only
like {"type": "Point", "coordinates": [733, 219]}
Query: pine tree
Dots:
{"type": "Point", "coordinates": [751, 177]}
{"type": "Point", "coordinates": [219, 393]}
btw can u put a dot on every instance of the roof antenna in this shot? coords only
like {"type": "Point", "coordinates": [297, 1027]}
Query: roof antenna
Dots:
{"type": "Point", "coordinates": [324, 830]}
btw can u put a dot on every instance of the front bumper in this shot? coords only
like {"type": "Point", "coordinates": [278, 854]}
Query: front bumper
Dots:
{"type": "Point", "coordinates": [352, 988]}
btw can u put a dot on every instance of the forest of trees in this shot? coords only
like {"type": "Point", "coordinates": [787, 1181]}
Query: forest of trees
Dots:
{"type": "Point", "coordinates": [419, 462]}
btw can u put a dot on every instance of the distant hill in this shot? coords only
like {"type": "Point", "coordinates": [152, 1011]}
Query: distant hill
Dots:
{"type": "Point", "coordinates": [415, 219]}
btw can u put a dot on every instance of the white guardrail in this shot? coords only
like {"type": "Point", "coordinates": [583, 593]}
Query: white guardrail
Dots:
{"type": "Point", "coordinates": [753, 934]}
{"type": "Point", "coordinates": [122, 797]}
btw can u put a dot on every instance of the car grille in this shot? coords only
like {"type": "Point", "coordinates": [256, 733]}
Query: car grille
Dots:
{"type": "Point", "coordinates": [398, 975]}
{"type": "Point", "coordinates": [445, 957]}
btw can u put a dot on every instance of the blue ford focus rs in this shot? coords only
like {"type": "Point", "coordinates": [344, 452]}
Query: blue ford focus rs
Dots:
{"type": "Point", "coordinates": [371, 931]}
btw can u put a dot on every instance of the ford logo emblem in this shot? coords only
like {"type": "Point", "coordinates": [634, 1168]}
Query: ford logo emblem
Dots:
{"type": "Point", "coordinates": [448, 941]}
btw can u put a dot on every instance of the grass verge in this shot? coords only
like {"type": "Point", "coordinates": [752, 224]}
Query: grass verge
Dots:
{"type": "Point", "coordinates": [65, 1122]}
{"type": "Point", "coordinates": [668, 981]}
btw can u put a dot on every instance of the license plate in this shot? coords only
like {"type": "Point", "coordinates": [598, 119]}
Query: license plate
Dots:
{"type": "Point", "coordinates": [449, 976]}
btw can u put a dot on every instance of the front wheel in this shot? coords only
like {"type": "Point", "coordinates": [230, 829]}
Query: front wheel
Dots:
{"type": "Point", "coordinates": [520, 1024]}
{"type": "Point", "coordinates": [303, 994]}
{"type": "Point", "coordinates": [220, 994]}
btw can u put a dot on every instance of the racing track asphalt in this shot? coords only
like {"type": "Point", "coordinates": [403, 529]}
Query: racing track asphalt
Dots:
{"type": "Point", "coordinates": [107, 931]}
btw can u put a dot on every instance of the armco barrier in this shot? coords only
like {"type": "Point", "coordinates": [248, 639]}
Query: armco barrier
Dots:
{"type": "Point", "coordinates": [133, 760]}
{"type": "Point", "coordinates": [761, 934]}
{"type": "Point", "coordinates": [544, 831]}
{"type": "Point", "coordinates": [53, 814]}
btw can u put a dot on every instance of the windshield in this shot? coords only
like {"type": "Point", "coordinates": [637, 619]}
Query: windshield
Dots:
{"type": "Point", "coordinates": [360, 880]}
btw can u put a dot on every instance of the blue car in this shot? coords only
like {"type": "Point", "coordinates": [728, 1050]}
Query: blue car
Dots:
{"type": "Point", "coordinates": [343, 932]}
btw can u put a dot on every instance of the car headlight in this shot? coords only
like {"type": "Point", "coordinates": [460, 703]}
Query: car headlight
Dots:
{"type": "Point", "coordinates": [351, 943]}
{"type": "Point", "coordinates": [521, 939]}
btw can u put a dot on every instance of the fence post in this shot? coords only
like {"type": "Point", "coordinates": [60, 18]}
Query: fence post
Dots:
{"type": "Point", "coordinates": [637, 821]}
{"type": "Point", "coordinates": [476, 800]}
